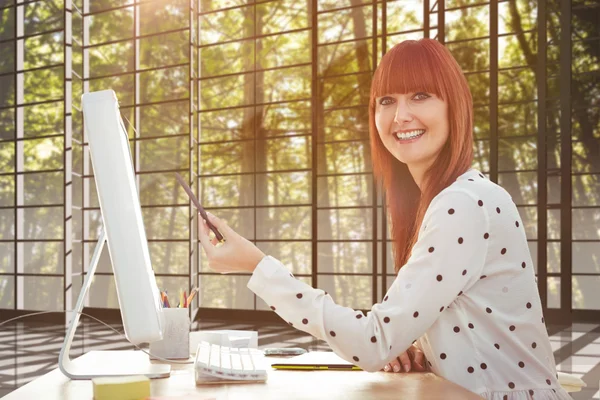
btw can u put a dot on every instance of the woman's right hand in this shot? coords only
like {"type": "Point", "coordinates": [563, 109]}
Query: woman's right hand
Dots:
{"type": "Point", "coordinates": [412, 359]}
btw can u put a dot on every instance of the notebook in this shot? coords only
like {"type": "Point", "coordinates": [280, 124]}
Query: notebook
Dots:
{"type": "Point", "coordinates": [316, 360]}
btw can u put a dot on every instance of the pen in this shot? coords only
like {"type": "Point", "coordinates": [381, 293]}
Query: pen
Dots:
{"type": "Point", "coordinates": [199, 207]}
{"type": "Point", "coordinates": [184, 300]}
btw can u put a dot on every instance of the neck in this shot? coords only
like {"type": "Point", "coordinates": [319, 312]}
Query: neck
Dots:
{"type": "Point", "coordinates": [418, 172]}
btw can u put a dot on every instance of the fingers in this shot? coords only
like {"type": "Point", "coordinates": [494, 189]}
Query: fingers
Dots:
{"type": "Point", "coordinates": [405, 361]}
{"type": "Point", "coordinates": [418, 358]}
{"type": "Point", "coordinates": [204, 238]}
{"type": "Point", "coordinates": [219, 224]}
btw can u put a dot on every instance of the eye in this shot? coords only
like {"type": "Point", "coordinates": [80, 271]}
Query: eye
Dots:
{"type": "Point", "coordinates": [421, 96]}
{"type": "Point", "coordinates": [384, 101]}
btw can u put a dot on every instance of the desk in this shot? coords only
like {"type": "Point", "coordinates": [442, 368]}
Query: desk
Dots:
{"type": "Point", "coordinates": [281, 384]}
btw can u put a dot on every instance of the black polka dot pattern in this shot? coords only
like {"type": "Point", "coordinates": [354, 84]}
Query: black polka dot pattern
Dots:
{"type": "Point", "coordinates": [496, 345]}
{"type": "Point", "coordinates": [386, 320]}
{"type": "Point", "coordinates": [299, 295]}
{"type": "Point", "coordinates": [355, 358]}
{"type": "Point", "coordinates": [533, 345]}
{"type": "Point", "coordinates": [373, 339]}
{"type": "Point", "coordinates": [332, 333]}
{"type": "Point", "coordinates": [528, 305]}
{"type": "Point", "coordinates": [456, 329]}
{"type": "Point", "coordinates": [305, 321]}
{"type": "Point", "coordinates": [471, 326]}
{"type": "Point", "coordinates": [416, 314]}
{"type": "Point", "coordinates": [470, 370]}
{"type": "Point", "coordinates": [511, 385]}
{"type": "Point", "coordinates": [451, 211]}
{"type": "Point", "coordinates": [512, 328]}
{"type": "Point", "coordinates": [443, 356]}
{"type": "Point", "coordinates": [464, 272]}
{"type": "Point", "coordinates": [460, 240]}
{"type": "Point", "coordinates": [272, 308]}
{"type": "Point", "coordinates": [385, 298]}
{"type": "Point", "coordinates": [431, 249]}
{"type": "Point", "coordinates": [439, 278]}
{"type": "Point", "coordinates": [521, 364]}
{"type": "Point", "coordinates": [483, 366]}
{"type": "Point", "coordinates": [488, 310]}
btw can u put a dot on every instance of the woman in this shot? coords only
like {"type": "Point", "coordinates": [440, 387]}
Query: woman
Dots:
{"type": "Point", "coordinates": [465, 290]}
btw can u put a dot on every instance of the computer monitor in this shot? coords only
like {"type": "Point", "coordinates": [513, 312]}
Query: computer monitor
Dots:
{"type": "Point", "coordinates": [123, 231]}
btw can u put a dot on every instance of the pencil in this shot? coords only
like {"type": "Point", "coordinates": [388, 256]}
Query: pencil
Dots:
{"type": "Point", "coordinates": [192, 295]}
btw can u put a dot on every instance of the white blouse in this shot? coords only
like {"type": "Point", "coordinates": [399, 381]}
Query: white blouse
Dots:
{"type": "Point", "coordinates": [467, 296]}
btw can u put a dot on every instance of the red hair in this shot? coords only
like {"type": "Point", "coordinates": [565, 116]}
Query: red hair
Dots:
{"type": "Point", "coordinates": [412, 66]}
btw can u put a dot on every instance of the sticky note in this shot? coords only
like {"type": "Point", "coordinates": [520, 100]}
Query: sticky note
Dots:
{"type": "Point", "coordinates": [121, 388]}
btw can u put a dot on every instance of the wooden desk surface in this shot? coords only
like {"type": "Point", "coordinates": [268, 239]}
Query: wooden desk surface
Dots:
{"type": "Point", "coordinates": [281, 384]}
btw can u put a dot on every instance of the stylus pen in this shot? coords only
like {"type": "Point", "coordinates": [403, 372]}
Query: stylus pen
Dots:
{"type": "Point", "coordinates": [199, 207]}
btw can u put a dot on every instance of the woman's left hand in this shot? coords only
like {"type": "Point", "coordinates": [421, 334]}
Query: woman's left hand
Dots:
{"type": "Point", "coordinates": [236, 254]}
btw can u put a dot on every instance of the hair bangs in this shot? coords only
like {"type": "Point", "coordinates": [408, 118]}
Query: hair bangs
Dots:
{"type": "Point", "coordinates": [407, 68]}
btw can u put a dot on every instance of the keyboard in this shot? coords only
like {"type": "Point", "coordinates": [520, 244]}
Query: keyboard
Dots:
{"type": "Point", "coordinates": [220, 364]}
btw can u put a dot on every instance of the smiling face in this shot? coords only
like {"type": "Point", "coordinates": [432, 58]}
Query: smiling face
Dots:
{"type": "Point", "coordinates": [412, 126]}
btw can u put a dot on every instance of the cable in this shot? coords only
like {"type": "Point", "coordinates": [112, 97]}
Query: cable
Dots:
{"type": "Point", "coordinates": [103, 323]}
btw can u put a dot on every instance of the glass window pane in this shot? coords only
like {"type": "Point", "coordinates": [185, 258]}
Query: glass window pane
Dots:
{"type": "Point", "coordinates": [7, 260]}
{"type": "Point", "coordinates": [285, 119]}
{"type": "Point", "coordinates": [162, 189]}
{"type": "Point", "coordinates": [283, 188]}
{"type": "Point", "coordinates": [352, 291]}
{"type": "Point", "coordinates": [226, 125]}
{"type": "Point", "coordinates": [98, 5]}
{"type": "Point", "coordinates": [467, 23]}
{"type": "Point", "coordinates": [345, 190]}
{"type": "Point", "coordinates": [44, 50]}
{"type": "Point", "coordinates": [282, 50]}
{"type": "Point", "coordinates": [283, 223]}
{"type": "Point", "coordinates": [346, 91]}
{"type": "Point", "coordinates": [7, 157]}
{"type": "Point", "coordinates": [7, 16]}
{"type": "Point", "coordinates": [110, 26]}
{"type": "Point", "coordinates": [345, 258]}
{"type": "Point", "coordinates": [553, 257]}
{"type": "Point", "coordinates": [553, 292]}
{"type": "Point", "coordinates": [522, 186]}
{"type": "Point", "coordinates": [43, 257]}
{"type": "Point", "coordinates": [43, 188]}
{"type": "Point", "coordinates": [527, 13]}
{"type": "Point", "coordinates": [553, 224]}
{"type": "Point", "coordinates": [345, 58]}
{"type": "Point", "coordinates": [349, 157]}
{"type": "Point", "coordinates": [7, 125]}
{"type": "Point", "coordinates": [162, 50]}
{"type": "Point", "coordinates": [169, 257]}
{"type": "Point", "coordinates": [227, 191]}
{"type": "Point", "coordinates": [172, 15]}
{"type": "Point", "coordinates": [285, 84]}
{"type": "Point", "coordinates": [7, 191]}
{"type": "Point", "coordinates": [7, 83]}
{"type": "Point", "coordinates": [231, 91]}
{"type": "Point", "coordinates": [93, 222]}
{"type": "Point", "coordinates": [345, 224]}
{"type": "Point", "coordinates": [42, 223]}
{"type": "Point", "coordinates": [516, 85]}
{"type": "Point", "coordinates": [340, 25]}
{"type": "Point", "coordinates": [7, 292]}
{"type": "Point", "coordinates": [516, 154]}
{"type": "Point", "coordinates": [43, 16]}
{"type": "Point", "coordinates": [225, 292]}
{"type": "Point", "coordinates": [164, 84]}
{"type": "Point", "coordinates": [43, 154]}
{"type": "Point", "coordinates": [110, 59]}
{"type": "Point", "coordinates": [586, 190]}
{"type": "Point", "coordinates": [283, 153]}
{"type": "Point", "coordinates": [479, 85]}
{"type": "Point", "coordinates": [227, 25]}
{"type": "Point", "coordinates": [510, 51]}
{"type": "Point", "coordinates": [283, 15]}
{"type": "Point", "coordinates": [586, 257]}
{"type": "Point", "coordinates": [529, 217]}
{"type": "Point", "coordinates": [166, 223]}
{"type": "Point", "coordinates": [44, 84]}
{"type": "Point", "coordinates": [346, 124]}
{"type": "Point", "coordinates": [103, 292]}
{"type": "Point", "coordinates": [294, 255]}
{"type": "Point", "coordinates": [517, 119]}
{"type": "Point", "coordinates": [44, 119]}
{"type": "Point", "coordinates": [227, 158]}
{"type": "Point", "coordinates": [586, 223]}
{"type": "Point", "coordinates": [172, 284]}
{"type": "Point", "coordinates": [164, 119]}
{"type": "Point", "coordinates": [7, 62]}
{"type": "Point", "coordinates": [473, 55]}
{"type": "Point", "coordinates": [585, 292]}
{"type": "Point", "coordinates": [42, 292]}
{"type": "Point", "coordinates": [122, 85]}
{"type": "Point", "coordinates": [403, 15]}
{"type": "Point", "coordinates": [553, 190]}
{"type": "Point", "coordinates": [164, 153]}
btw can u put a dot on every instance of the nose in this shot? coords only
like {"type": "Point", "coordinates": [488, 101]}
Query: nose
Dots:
{"type": "Point", "coordinates": [403, 113]}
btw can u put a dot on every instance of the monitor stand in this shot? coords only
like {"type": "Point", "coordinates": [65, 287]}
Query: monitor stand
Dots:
{"type": "Point", "coordinates": [104, 363]}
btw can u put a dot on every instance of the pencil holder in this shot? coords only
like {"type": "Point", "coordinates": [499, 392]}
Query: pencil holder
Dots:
{"type": "Point", "coordinates": [176, 335]}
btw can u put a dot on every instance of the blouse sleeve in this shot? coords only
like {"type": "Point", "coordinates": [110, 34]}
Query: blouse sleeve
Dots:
{"type": "Point", "coordinates": [449, 254]}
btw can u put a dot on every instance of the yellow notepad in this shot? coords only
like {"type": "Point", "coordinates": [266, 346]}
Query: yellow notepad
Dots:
{"type": "Point", "coordinates": [316, 360]}
{"type": "Point", "coordinates": [121, 388]}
